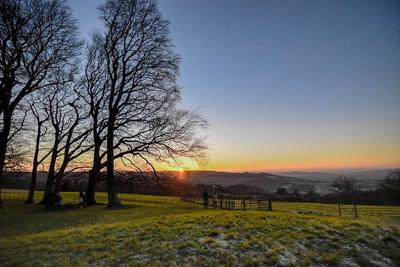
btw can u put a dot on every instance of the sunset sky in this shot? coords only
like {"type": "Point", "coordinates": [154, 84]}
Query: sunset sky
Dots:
{"type": "Point", "coordinates": [287, 85]}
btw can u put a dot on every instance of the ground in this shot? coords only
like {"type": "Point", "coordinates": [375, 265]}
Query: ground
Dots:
{"type": "Point", "coordinates": [177, 234]}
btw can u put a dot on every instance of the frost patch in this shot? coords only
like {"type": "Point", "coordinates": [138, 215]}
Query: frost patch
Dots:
{"type": "Point", "coordinates": [349, 262]}
{"type": "Point", "coordinates": [378, 259]}
{"type": "Point", "coordinates": [286, 258]}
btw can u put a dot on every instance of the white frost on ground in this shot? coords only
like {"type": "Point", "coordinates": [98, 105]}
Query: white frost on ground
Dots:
{"type": "Point", "coordinates": [349, 262]}
{"type": "Point", "coordinates": [286, 258]}
{"type": "Point", "coordinates": [375, 258]}
{"type": "Point", "coordinates": [221, 241]}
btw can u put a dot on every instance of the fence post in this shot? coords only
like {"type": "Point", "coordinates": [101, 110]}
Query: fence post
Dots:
{"type": "Point", "coordinates": [269, 204]}
{"type": "Point", "coordinates": [340, 210]}
{"type": "Point", "coordinates": [355, 210]}
{"type": "Point", "coordinates": [244, 204]}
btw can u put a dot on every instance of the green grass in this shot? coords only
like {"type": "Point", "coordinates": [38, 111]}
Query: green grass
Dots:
{"type": "Point", "coordinates": [101, 197]}
{"type": "Point", "coordinates": [170, 235]}
{"type": "Point", "coordinates": [368, 212]}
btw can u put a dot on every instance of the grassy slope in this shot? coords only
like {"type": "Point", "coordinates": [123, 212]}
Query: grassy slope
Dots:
{"type": "Point", "coordinates": [185, 234]}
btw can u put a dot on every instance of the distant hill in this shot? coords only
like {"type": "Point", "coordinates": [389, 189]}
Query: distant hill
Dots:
{"type": "Point", "coordinates": [270, 182]}
{"type": "Point", "coordinates": [361, 175]}
{"type": "Point", "coordinates": [310, 175]}
{"type": "Point", "coordinates": [319, 182]}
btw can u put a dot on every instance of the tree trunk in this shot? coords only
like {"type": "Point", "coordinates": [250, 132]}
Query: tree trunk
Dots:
{"type": "Point", "coordinates": [32, 185]}
{"type": "Point", "coordinates": [3, 146]}
{"type": "Point", "coordinates": [60, 174]}
{"type": "Point", "coordinates": [58, 181]}
{"type": "Point", "coordinates": [90, 194]}
{"type": "Point", "coordinates": [90, 198]}
{"type": "Point", "coordinates": [34, 167]}
{"type": "Point", "coordinates": [113, 201]}
{"type": "Point", "coordinates": [48, 189]}
{"type": "Point", "coordinates": [2, 162]}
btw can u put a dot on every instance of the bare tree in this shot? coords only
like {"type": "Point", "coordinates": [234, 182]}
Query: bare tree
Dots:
{"type": "Point", "coordinates": [40, 120]}
{"type": "Point", "coordinates": [93, 85]}
{"type": "Point", "coordinates": [346, 187]}
{"type": "Point", "coordinates": [143, 123]}
{"type": "Point", "coordinates": [15, 155]}
{"type": "Point", "coordinates": [37, 37]}
{"type": "Point", "coordinates": [390, 185]}
{"type": "Point", "coordinates": [16, 152]}
{"type": "Point", "coordinates": [70, 135]}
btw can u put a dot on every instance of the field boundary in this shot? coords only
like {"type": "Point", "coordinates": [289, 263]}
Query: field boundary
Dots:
{"type": "Point", "coordinates": [268, 204]}
{"type": "Point", "coordinates": [264, 204]}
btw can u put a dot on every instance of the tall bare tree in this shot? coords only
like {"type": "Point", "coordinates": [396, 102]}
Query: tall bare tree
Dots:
{"type": "Point", "coordinates": [93, 84]}
{"type": "Point", "coordinates": [143, 122]}
{"type": "Point", "coordinates": [37, 37]}
{"type": "Point", "coordinates": [40, 128]}
{"type": "Point", "coordinates": [70, 135]}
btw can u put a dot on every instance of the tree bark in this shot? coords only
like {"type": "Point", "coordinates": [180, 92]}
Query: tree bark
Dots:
{"type": "Point", "coordinates": [48, 190]}
{"type": "Point", "coordinates": [90, 194]}
{"type": "Point", "coordinates": [34, 167]}
{"type": "Point", "coordinates": [2, 161]}
{"type": "Point", "coordinates": [3, 146]}
{"type": "Point", "coordinates": [113, 200]}
{"type": "Point", "coordinates": [90, 198]}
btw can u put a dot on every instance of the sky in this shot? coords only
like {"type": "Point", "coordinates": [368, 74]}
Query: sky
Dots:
{"type": "Point", "coordinates": [287, 85]}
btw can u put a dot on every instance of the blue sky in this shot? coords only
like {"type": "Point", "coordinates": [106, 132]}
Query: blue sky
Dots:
{"type": "Point", "coordinates": [288, 84]}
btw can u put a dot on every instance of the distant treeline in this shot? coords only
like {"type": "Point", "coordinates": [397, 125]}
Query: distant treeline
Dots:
{"type": "Point", "coordinates": [344, 189]}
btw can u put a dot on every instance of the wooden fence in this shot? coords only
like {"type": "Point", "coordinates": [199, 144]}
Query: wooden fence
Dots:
{"type": "Point", "coordinates": [346, 210]}
{"type": "Point", "coordinates": [228, 204]}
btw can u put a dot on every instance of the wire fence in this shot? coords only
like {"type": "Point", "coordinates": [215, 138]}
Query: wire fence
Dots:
{"type": "Point", "coordinates": [347, 210]}
{"type": "Point", "coordinates": [101, 198]}
{"type": "Point", "coordinates": [264, 204]}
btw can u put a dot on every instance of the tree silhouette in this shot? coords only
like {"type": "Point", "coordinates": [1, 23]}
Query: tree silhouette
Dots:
{"type": "Point", "coordinates": [122, 106]}
{"type": "Point", "coordinates": [41, 129]}
{"type": "Point", "coordinates": [37, 38]}
{"type": "Point", "coordinates": [70, 135]}
{"type": "Point", "coordinates": [93, 92]}
{"type": "Point", "coordinates": [390, 185]}
{"type": "Point", "coordinates": [346, 187]}
{"type": "Point", "coordinates": [143, 123]}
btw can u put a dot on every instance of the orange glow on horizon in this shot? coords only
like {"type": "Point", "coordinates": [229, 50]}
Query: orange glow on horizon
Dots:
{"type": "Point", "coordinates": [310, 160]}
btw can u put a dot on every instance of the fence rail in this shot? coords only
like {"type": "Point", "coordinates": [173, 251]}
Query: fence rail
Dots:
{"type": "Point", "coordinates": [227, 204]}
{"type": "Point", "coordinates": [101, 198]}
{"type": "Point", "coordinates": [298, 207]}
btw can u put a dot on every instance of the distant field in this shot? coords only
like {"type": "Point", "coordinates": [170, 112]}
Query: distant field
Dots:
{"type": "Point", "coordinates": [187, 235]}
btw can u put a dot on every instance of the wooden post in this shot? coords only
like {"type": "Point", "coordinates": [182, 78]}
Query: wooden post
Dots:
{"type": "Point", "coordinates": [355, 210]}
{"type": "Point", "coordinates": [340, 210]}
{"type": "Point", "coordinates": [269, 204]}
{"type": "Point", "coordinates": [244, 204]}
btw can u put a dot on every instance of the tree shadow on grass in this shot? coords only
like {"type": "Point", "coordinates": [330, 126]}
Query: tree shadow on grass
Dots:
{"type": "Point", "coordinates": [17, 219]}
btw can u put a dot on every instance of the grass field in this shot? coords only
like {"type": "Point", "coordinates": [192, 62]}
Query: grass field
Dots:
{"type": "Point", "coordinates": [177, 234]}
